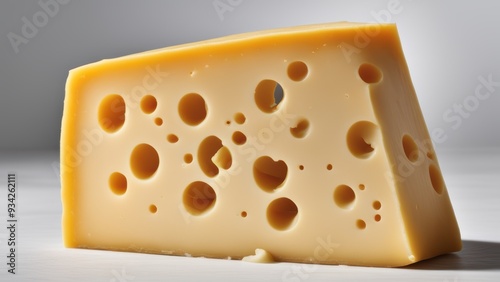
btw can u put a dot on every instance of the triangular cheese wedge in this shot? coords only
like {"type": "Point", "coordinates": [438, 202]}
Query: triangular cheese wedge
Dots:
{"type": "Point", "coordinates": [307, 143]}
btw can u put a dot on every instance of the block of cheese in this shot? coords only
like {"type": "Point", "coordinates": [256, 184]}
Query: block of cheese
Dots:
{"type": "Point", "coordinates": [306, 144]}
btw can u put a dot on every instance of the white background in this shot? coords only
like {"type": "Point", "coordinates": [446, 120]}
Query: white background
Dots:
{"type": "Point", "coordinates": [449, 46]}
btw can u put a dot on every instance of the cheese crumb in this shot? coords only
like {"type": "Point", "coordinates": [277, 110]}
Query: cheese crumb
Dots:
{"type": "Point", "coordinates": [261, 256]}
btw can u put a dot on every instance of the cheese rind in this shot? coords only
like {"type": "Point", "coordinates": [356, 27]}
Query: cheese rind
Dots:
{"type": "Point", "coordinates": [192, 149]}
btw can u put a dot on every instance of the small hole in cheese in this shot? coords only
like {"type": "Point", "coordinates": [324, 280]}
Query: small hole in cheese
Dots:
{"type": "Point", "coordinates": [206, 151]}
{"type": "Point", "coordinates": [158, 121]}
{"type": "Point", "coordinates": [436, 179]}
{"type": "Point", "coordinates": [153, 209]}
{"type": "Point", "coordinates": [244, 214]}
{"type": "Point", "coordinates": [192, 109]}
{"type": "Point", "coordinates": [329, 167]}
{"type": "Point", "coordinates": [344, 197]}
{"type": "Point", "coordinates": [301, 167]}
{"type": "Point", "coordinates": [360, 224]}
{"type": "Point", "coordinates": [431, 155]}
{"type": "Point", "coordinates": [144, 161]}
{"type": "Point", "coordinates": [239, 138]}
{"type": "Point", "coordinates": [268, 95]}
{"type": "Point", "coordinates": [369, 73]}
{"type": "Point", "coordinates": [410, 148]}
{"type": "Point", "coordinates": [111, 113]}
{"type": "Point", "coordinates": [301, 129]}
{"type": "Point", "coordinates": [239, 118]}
{"type": "Point", "coordinates": [360, 138]}
{"type": "Point", "coordinates": [297, 71]}
{"type": "Point", "coordinates": [377, 217]}
{"type": "Point", "coordinates": [361, 187]}
{"type": "Point", "coordinates": [172, 138]}
{"type": "Point", "coordinates": [199, 197]}
{"type": "Point", "coordinates": [188, 158]}
{"type": "Point", "coordinates": [148, 104]}
{"type": "Point", "coordinates": [282, 213]}
{"type": "Point", "coordinates": [269, 174]}
{"type": "Point", "coordinates": [117, 183]}
{"type": "Point", "coordinates": [377, 205]}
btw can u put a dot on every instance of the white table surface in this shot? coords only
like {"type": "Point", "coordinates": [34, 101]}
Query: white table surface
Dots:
{"type": "Point", "coordinates": [472, 177]}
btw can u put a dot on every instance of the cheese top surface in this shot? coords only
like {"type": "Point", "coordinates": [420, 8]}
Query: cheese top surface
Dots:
{"type": "Point", "coordinates": [299, 142]}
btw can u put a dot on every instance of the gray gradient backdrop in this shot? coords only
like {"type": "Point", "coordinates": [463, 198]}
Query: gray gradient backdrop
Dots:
{"type": "Point", "coordinates": [449, 47]}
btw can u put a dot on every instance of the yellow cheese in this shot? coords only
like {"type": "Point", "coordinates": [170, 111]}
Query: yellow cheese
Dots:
{"type": "Point", "coordinates": [306, 144]}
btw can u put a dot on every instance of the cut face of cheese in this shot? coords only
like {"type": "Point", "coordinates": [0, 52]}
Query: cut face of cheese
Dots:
{"type": "Point", "coordinates": [306, 143]}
